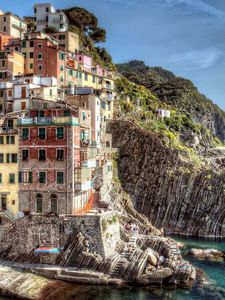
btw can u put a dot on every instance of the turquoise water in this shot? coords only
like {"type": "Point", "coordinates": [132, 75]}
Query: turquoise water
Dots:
{"type": "Point", "coordinates": [214, 290]}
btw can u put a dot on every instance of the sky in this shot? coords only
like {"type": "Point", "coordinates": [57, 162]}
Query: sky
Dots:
{"type": "Point", "coordinates": [186, 37]}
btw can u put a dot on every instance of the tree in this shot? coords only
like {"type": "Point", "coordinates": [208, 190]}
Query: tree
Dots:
{"type": "Point", "coordinates": [104, 55]}
{"type": "Point", "coordinates": [99, 35]}
{"type": "Point", "coordinates": [50, 29]}
{"type": "Point", "coordinates": [86, 22]}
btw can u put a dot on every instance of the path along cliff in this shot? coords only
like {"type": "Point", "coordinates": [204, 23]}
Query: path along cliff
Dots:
{"type": "Point", "coordinates": [171, 191]}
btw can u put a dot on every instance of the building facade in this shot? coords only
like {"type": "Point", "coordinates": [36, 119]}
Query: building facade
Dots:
{"type": "Point", "coordinates": [46, 16]}
{"type": "Point", "coordinates": [9, 145]}
{"type": "Point", "coordinates": [12, 25]}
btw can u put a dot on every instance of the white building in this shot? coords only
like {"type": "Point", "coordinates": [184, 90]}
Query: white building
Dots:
{"type": "Point", "coordinates": [47, 16]}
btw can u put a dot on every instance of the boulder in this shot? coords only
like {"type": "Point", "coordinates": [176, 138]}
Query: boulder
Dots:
{"type": "Point", "coordinates": [152, 258]}
{"type": "Point", "coordinates": [155, 277]}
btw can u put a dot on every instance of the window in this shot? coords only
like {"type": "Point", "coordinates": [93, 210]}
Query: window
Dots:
{"type": "Point", "coordinates": [3, 63]}
{"type": "Point", "coordinates": [45, 105]}
{"type": "Point", "coordinates": [1, 93]}
{"type": "Point", "coordinates": [54, 205]}
{"type": "Point", "coordinates": [39, 56]}
{"type": "Point", "coordinates": [50, 92]}
{"type": "Point", "coordinates": [17, 49]}
{"type": "Point", "coordinates": [31, 54]}
{"type": "Point", "coordinates": [4, 19]}
{"type": "Point", "coordinates": [61, 17]}
{"type": "Point", "coordinates": [10, 139]}
{"type": "Point", "coordinates": [4, 202]}
{"type": "Point", "coordinates": [24, 44]}
{"type": "Point", "coordinates": [61, 37]}
{"type": "Point", "coordinates": [42, 154]}
{"type": "Point", "coordinates": [11, 178]}
{"type": "Point", "coordinates": [47, 9]}
{"type": "Point", "coordinates": [86, 76]}
{"type": "Point", "coordinates": [31, 66]}
{"type": "Point", "coordinates": [60, 154]}
{"type": "Point", "coordinates": [31, 44]}
{"type": "Point", "coordinates": [42, 177]}
{"type": "Point", "coordinates": [11, 158]}
{"type": "Point", "coordinates": [10, 124]}
{"type": "Point", "coordinates": [39, 46]}
{"type": "Point", "coordinates": [25, 133]}
{"type": "Point", "coordinates": [1, 158]}
{"type": "Point", "coordinates": [39, 200]}
{"type": "Point", "coordinates": [61, 78]}
{"type": "Point", "coordinates": [40, 67]}
{"type": "Point", "coordinates": [46, 18]}
{"type": "Point", "coordinates": [61, 67]}
{"type": "Point", "coordinates": [83, 116]}
{"type": "Point", "coordinates": [25, 177]}
{"type": "Point", "coordinates": [60, 133]}
{"type": "Point", "coordinates": [35, 10]}
{"type": "Point", "coordinates": [25, 155]}
{"type": "Point", "coordinates": [61, 56]}
{"type": "Point", "coordinates": [60, 177]}
{"type": "Point", "coordinates": [93, 79]}
{"type": "Point", "coordinates": [24, 54]}
{"type": "Point", "coordinates": [70, 72]}
{"type": "Point", "coordinates": [1, 140]}
{"type": "Point", "coordinates": [9, 93]}
{"type": "Point", "coordinates": [61, 26]}
{"type": "Point", "coordinates": [4, 28]}
{"type": "Point", "coordinates": [0, 177]}
{"type": "Point", "coordinates": [41, 133]}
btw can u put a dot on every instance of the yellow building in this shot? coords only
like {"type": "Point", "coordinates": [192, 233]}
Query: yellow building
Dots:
{"type": "Point", "coordinates": [12, 25]}
{"type": "Point", "coordinates": [9, 147]}
{"type": "Point", "coordinates": [68, 40]}
{"type": "Point", "coordinates": [11, 63]}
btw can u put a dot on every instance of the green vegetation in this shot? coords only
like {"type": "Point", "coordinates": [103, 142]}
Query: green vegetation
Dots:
{"type": "Point", "coordinates": [50, 29]}
{"type": "Point", "coordinates": [196, 111]}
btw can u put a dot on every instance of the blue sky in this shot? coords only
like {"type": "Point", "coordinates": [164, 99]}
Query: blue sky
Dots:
{"type": "Point", "coordinates": [184, 36]}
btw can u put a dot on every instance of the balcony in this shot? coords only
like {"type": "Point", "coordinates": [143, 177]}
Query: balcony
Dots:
{"type": "Point", "coordinates": [85, 186]}
{"type": "Point", "coordinates": [48, 121]}
{"type": "Point", "coordinates": [90, 163]}
{"type": "Point", "coordinates": [18, 27]}
{"type": "Point", "coordinates": [5, 130]}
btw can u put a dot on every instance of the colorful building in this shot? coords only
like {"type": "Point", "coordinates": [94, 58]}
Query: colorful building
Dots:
{"type": "Point", "coordinates": [11, 64]}
{"type": "Point", "coordinates": [49, 147]}
{"type": "Point", "coordinates": [67, 40]}
{"type": "Point", "coordinates": [9, 145]}
{"type": "Point", "coordinates": [12, 25]}
{"type": "Point", "coordinates": [47, 16]}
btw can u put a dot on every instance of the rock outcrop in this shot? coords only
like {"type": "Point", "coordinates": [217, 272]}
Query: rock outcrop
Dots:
{"type": "Point", "coordinates": [173, 192]}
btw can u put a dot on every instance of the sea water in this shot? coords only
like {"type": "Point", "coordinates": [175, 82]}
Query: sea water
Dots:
{"type": "Point", "coordinates": [213, 290]}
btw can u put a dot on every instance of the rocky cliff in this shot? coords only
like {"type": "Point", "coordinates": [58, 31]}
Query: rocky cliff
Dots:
{"type": "Point", "coordinates": [178, 194]}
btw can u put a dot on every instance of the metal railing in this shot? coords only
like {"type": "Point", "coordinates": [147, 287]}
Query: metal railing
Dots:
{"type": "Point", "coordinates": [7, 214]}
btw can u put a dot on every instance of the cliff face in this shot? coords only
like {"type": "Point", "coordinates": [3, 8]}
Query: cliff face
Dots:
{"type": "Point", "coordinates": [177, 92]}
{"type": "Point", "coordinates": [171, 192]}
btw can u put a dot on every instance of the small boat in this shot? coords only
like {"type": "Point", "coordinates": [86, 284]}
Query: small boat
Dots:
{"type": "Point", "coordinates": [48, 250]}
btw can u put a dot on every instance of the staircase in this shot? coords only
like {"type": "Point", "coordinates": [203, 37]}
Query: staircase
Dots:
{"type": "Point", "coordinates": [128, 250]}
{"type": "Point", "coordinates": [7, 214]}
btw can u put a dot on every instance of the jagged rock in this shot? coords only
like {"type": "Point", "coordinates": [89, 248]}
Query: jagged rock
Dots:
{"type": "Point", "coordinates": [208, 254]}
{"type": "Point", "coordinates": [156, 276]}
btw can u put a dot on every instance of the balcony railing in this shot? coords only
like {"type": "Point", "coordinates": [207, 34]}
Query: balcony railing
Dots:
{"type": "Point", "coordinates": [8, 131]}
{"type": "Point", "coordinates": [48, 121]}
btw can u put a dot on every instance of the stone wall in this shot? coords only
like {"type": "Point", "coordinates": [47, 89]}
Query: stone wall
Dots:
{"type": "Point", "coordinates": [27, 233]}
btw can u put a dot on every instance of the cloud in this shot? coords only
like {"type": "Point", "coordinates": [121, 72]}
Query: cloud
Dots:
{"type": "Point", "coordinates": [198, 6]}
{"type": "Point", "coordinates": [197, 59]}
